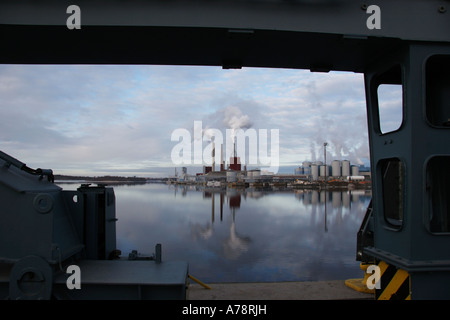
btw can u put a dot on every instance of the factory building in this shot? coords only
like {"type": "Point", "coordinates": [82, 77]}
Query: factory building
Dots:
{"type": "Point", "coordinates": [339, 169]}
{"type": "Point", "coordinates": [235, 163]}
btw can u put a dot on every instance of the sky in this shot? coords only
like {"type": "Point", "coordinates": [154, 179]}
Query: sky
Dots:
{"type": "Point", "coordinates": [99, 120]}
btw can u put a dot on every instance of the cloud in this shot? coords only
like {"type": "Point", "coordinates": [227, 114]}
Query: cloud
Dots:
{"type": "Point", "coordinates": [106, 118]}
{"type": "Point", "coordinates": [390, 105]}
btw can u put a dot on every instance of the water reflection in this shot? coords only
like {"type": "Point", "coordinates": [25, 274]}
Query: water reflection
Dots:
{"type": "Point", "coordinates": [235, 244]}
{"type": "Point", "coordinates": [283, 235]}
{"type": "Point", "coordinates": [245, 235]}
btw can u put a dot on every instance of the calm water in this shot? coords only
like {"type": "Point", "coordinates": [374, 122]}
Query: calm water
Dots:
{"type": "Point", "coordinates": [244, 236]}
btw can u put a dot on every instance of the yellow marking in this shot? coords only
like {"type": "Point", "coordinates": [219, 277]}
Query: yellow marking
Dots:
{"type": "Point", "coordinates": [199, 282]}
{"type": "Point", "coordinates": [383, 266]}
{"type": "Point", "coordinates": [398, 279]}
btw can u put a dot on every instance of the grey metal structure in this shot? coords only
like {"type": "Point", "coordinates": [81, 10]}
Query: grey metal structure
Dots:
{"type": "Point", "coordinates": [410, 47]}
{"type": "Point", "coordinates": [44, 230]}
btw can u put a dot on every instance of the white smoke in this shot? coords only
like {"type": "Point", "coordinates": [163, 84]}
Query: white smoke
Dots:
{"type": "Point", "coordinates": [338, 148]}
{"type": "Point", "coordinates": [234, 118]}
{"type": "Point", "coordinates": [230, 117]}
{"type": "Point", "coordinates": [346, 140]}
{"type": "Point", "coordinates": [312, 148]}
{"type": "Point", "coordinates": [221, 127]}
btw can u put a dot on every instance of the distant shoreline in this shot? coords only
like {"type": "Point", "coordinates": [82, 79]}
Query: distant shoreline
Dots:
{"type": "Point", "coordinates": [106, 179]}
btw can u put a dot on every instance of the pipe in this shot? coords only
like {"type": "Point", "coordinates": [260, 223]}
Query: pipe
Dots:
{"type": "Point", "coordinates": [199, 282]}
{"type": "Point", "coordinates": [22, 166]}
{"type": "Point", "coordinates": [10, 160]}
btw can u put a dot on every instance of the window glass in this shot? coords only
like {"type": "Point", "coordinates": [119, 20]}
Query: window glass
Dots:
{"type": "Point", "coordinates": [390, 107]}
{"type": "Point", "coordinates": [393, 190]}
{"type": "Point", "coordinates": [438, 194]}
{"type": "Point", "coordinates": [437, 84]}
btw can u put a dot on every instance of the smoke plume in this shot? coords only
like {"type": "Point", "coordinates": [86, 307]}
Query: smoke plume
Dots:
{"type": "Point", "coordinates": [233, 118]}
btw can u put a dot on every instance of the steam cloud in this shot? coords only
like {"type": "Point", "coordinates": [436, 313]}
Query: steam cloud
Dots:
{"type": "Point", "coordinates": [343, 143]}
{"type": "Point", "coordinates": [230, 117]}
{"type": "Point", "coordinates": [233, 118]}
{"type": "Point", "coordinates": [345, 139]}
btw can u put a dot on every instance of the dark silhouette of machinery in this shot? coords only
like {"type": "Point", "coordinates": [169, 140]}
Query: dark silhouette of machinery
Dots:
{"type": "Point", "coordinates": [44, 230]}
{"type": "Point", "coordinates": [407, 226]}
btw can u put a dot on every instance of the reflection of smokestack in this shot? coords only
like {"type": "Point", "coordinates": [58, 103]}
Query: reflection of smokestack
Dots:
{"type": "Point", "coordinates": [213, 157]}
{"type": "Point", "coordinates": [235, 201]}
{"type": "Point", "coordinates": [212, 208]}
{"type": "Point", "coordinates": [221, 205]}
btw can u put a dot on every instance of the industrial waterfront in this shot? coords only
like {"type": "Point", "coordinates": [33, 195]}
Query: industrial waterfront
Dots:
{"type": "Point", "coordinates": [244, 234]}
{"type": "Point", "coordinates": [311, 174]}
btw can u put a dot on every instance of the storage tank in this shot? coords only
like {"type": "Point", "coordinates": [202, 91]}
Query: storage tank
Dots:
{"type": "Point", "coordinates": [299, 170]}
{"type": "Point", "coordinates": [306, 164]}
{"type": "Point", "coordinates": [336, 168]}
{"type": "Point", "coordinates": [355, 171]}
{"type": "Point", "coordinates": [319, 163]}
{"type": "Point", "coordinates": [345, 168]}
{"type": "Point", "coordinates": [231, 176]}
{"type": "Point", "coordinates": [324, 171]}
{"type": "Point", "coordinates": [315, 172]}
{"type": "Point", "coordinates": [256, 174]}
{"type": "Point", "coordinates": [306, 170]}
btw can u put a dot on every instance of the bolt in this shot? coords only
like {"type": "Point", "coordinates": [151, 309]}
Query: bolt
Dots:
{"type": "Point", "coordinates": [442, 9]}
{"type": "Point", "coordinates": [364, 7]}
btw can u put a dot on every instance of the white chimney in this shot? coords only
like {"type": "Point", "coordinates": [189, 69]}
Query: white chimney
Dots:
{"type": "Point", "coordinates": [213, 156]}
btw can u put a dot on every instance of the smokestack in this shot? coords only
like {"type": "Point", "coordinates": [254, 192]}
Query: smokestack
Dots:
{"type": "Point", "coordinates": [222, 164]}
{"type": "Point", "coordinates": [235, 163]}
{"type": "Point", "coordinates": [213, 157]}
